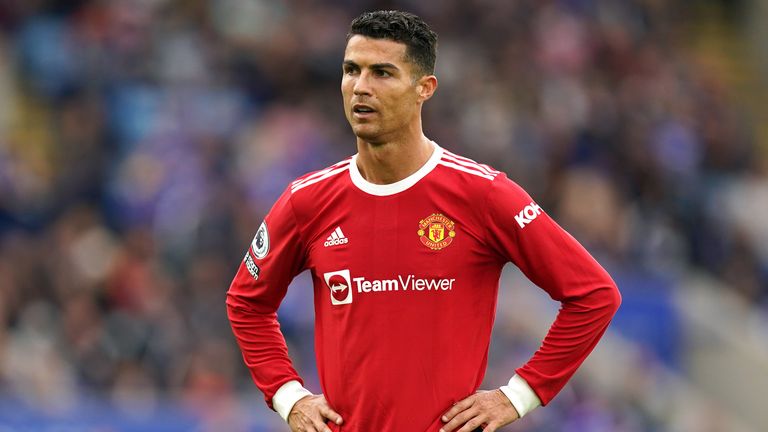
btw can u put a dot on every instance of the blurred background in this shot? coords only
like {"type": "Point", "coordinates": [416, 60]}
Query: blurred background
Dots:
{"type": "Point", "coordinates": [143, 141]}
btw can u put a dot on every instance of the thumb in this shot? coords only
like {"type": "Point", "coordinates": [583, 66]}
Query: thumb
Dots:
{"type": "Point", "coordinates": [330, 414]}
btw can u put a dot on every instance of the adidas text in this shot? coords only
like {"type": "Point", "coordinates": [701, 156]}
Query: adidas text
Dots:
{"type": "Point", "coordinates": [336, 242]}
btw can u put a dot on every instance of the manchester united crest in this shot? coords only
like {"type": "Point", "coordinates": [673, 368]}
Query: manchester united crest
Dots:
{"type": "Point", "coordinates": [436, 231]}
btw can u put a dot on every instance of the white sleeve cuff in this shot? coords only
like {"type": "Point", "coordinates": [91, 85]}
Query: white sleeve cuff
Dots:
{"type": "Point", "coordinates": [287, 396]}
{"type": "Point", "coordinates": [521, 395]}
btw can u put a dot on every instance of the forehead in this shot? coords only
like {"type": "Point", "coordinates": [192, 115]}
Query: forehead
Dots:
{"type": "Point", "coordinates": [364, 50]}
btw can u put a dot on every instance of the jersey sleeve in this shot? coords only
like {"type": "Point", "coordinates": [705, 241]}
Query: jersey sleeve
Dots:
{"type": "Point", "coordinates": [521, 232]}
{"type": "Point", "coordinates": [276, 255]}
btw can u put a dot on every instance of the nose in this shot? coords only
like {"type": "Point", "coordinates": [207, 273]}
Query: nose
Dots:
{"type": "Point", "coordinates": [362, 85]}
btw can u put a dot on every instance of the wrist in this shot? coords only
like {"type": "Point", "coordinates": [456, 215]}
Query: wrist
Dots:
{"type": "Point", "coordinates": [287, 396]}
{"type": "Point", "coordinates": [521, 395]}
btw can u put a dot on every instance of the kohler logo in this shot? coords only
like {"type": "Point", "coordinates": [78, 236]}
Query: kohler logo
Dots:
{"type": "Point", "coordinates": [528, 214]}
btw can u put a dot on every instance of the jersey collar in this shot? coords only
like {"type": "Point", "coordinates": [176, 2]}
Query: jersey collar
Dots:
{"type": "Point", "coordinates": [397, 187]}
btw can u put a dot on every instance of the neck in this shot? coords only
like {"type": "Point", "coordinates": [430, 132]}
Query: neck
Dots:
{"type": "Point", "coordinates": [390, 162]}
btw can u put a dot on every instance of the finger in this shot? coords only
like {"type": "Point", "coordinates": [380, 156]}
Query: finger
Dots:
{"type": "Point", "coordinates": [472, 425]}
{"type": "Point", "coordinates": [457, 408]}
{"type": "Point", "coordinates": [491, 427]}
{"type": "Point", "coordinates": [318, 425]}
{"type": "Point", "coordinates": [331, 415]}
{"type": "Point", "coordinates": [306, 424]}
{"type": "Point", "coordinates": [296, 422]}
{"type": "Point", "coordinates": [459, 419]}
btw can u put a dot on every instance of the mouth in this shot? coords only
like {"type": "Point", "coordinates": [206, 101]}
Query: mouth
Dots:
{"type": "Point", "coordinates": [362, 110]}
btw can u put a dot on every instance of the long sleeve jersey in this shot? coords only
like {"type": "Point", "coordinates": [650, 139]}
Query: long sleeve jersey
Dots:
{"type": "Point", "coordinates": [405, 279]}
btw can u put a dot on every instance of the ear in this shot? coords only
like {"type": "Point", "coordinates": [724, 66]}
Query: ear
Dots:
{"type": "Point", "coordinates": [426, 87]}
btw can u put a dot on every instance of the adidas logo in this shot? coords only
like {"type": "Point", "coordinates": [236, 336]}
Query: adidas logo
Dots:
{"type": "Point", "coordinates": [336, 238]}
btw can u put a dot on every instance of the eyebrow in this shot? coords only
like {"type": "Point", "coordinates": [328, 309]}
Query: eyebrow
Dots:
{"type": "Point", "coordinates": [373, 66]}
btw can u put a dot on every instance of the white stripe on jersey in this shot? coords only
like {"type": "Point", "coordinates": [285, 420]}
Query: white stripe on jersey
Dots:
{"type": "Point", "coordinates": [473, 165]}
{"type": "Point", "coordinates": [466, 159]}
{"type": "Point", "coordinates": [476, 172]}
{"type": "Point", "coordinates": [328, 174]}
{"type": "Point", "coordinates": [482, 167]}
{"type": "Point", "coordinates": [338, 233]}
{"type": "Point", "coordinates": [319, 173]}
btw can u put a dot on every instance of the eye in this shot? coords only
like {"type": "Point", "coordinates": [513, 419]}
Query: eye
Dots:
{"type": "Point", "coordinates": [381, 73]}
{"type": "Point", "coordinates": [349, 70]}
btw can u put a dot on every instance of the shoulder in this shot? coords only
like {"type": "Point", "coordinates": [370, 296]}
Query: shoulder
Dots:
{"type": "Point", "coordinates": [463, 166]}
{"type": "Point", "coordinates": [481, 177]}
{"type": "Point", "coordinates": [468, 172]}
{"type": "Point", "coordinates": [319, 178]}
{"type": "Point", "coordinates": [301, 197]}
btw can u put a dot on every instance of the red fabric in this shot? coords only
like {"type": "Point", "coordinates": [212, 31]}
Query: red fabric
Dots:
{"type": "Point", "coordinates": [396, 360]}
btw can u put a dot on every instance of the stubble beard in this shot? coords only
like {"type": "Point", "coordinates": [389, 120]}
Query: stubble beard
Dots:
{"type": "Point", "coordinates": [371, 135]}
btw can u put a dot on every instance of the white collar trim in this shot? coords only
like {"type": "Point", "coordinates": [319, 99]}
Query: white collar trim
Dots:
{"type": "Point", "coordinates": [399, 186]}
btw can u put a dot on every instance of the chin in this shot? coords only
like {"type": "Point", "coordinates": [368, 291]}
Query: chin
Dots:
{"type": "Point", "coordinates": [366, 134]}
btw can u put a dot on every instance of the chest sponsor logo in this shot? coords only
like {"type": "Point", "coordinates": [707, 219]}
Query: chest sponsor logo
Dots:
{"type": "Point", "coordinates": [436, 231]}
{"type": "Point", "coordinates": [528, 214]}
{"type": "Point", "coordinates": [340, 287]}
{"type": "Point", "coordinates": [402, 283]}
{"type": "Point", "coordinates": [260, 243]}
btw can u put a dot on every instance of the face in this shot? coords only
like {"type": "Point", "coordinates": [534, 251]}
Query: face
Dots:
{"type": "Point", "coordinates": [382, 98]}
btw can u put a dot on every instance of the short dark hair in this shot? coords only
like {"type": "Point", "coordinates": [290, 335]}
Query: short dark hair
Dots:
{"type": "Point", "coordinates": [420, 41]}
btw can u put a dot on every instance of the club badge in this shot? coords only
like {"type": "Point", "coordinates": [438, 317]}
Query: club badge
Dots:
{"type": "Point", "coordinates": [436, 231]}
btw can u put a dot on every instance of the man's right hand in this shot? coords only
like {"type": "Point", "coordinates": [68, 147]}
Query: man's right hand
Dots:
{"type": "Point", "coordinates": [311, 413]}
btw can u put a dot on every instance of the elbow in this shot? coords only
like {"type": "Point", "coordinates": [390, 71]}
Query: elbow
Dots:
{"type": "Point", "coordinates": [230, 308]}
{"type": "Point", "coordinates": [234, 305]}
{"type": "Point", "coordinates": [613, 298]}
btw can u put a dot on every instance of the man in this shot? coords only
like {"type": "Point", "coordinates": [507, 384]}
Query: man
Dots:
{"type": "Point", "coordinates": [405, 242]}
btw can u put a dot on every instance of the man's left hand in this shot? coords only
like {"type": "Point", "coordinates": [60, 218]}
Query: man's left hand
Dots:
{"type": "Point", "coordinates": [489, 410]}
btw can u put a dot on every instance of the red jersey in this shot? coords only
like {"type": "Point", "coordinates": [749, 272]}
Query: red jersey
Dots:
{"type": "Point", "coordinates": [405, 285]}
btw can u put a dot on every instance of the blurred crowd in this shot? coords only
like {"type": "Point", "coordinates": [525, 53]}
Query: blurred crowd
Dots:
{"type": "Point", "coordinates": [142, 142]}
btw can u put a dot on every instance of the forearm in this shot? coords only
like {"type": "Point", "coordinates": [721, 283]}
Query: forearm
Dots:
{"type": "Point", "coordinates": [263, 348]}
